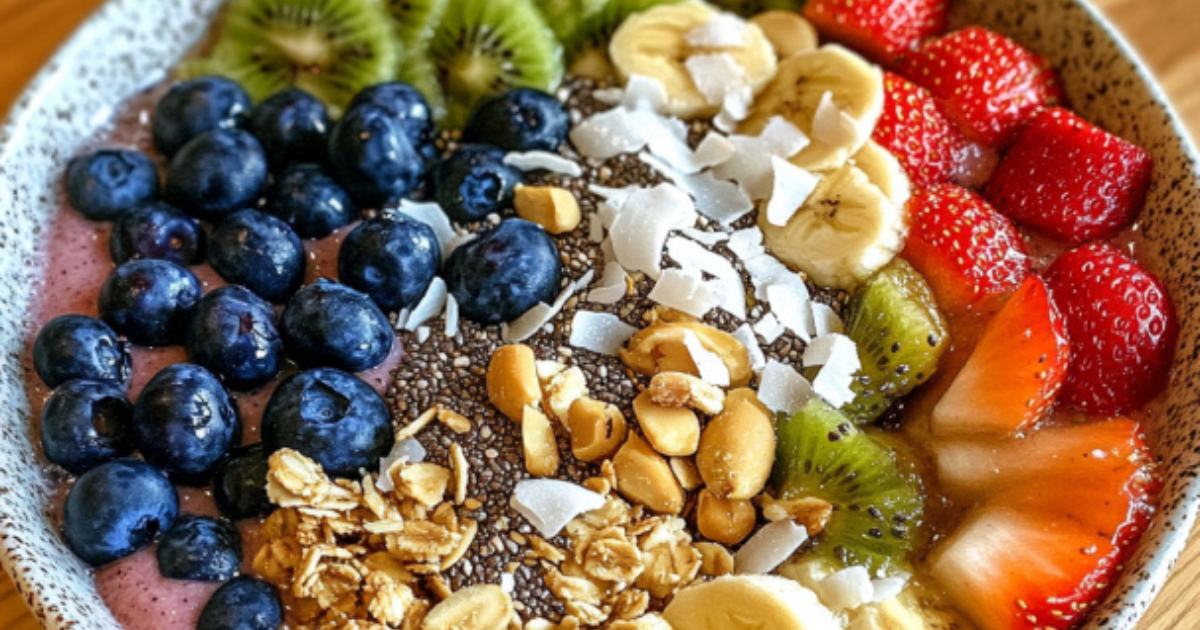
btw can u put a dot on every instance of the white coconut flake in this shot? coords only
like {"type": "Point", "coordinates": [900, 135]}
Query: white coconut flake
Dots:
{"type": "Point", "coordinates": [745, 335]}
{"type": "Point", "coordinates": [747, 243]}
{"type": "Point", "coordinates": [643, 92]}
{"type": "Point", "coordinates": [707, 238]}
{"type": "Point", "coordinates": [714, 149]}
{"type": "Point", "coordinates": [734, 108]}
{"type": "Point", "coordinates": [615, 196]}
{"type": "Point", "coordinates": [595, 229]}
{"type": "Point", "coordinates": [769, 328]}
{"type": "Point", "coordinates": [508, 583]}
{"type": "Point", "coordinates": [782, 138]}
{"type": "Point", "coordinates": [888, 588]}
{"type": "Point", "coordinates": [607, 212]}
{"type": "Point", "coordinates": [847, 589]}
{"type": "Point", "coordinates": [663, 140]}
{"type": "Point", "coordinates": [532, 320]}
{"type": "Point", "coordinates": [543, 161]}
{"type": "Point", "coordinates": [550, 504]}
{"type": "Point", "coordinates": [831, 125]}
{"type": "Point", "coordinates": [602, 333]}
{"type": "Point", "coordinates": [766, 270]}
{"type": "Point", "coordinates": [641, 228]}
{"type": "Point", "coordinates": [423, 333]}
{"type": "Point", "coordinates": [792, 187]}
{"type": "Point", "coordinates": [723, 30]}
{"type": "Point", "coordinates": [728, 287]}
{"type": "Point", "coordinates": [431, 214]}
{"type": "Point", "coordinates": [822, 350]}
{"type": "Point", "coordinates": [611, 287]}
{"type": "Point", "coordinates": [792, 304]}
{"type": "Point", "coordinates": [751, 165]}
{"type": "Point", "coordinates": [401, 319]}
{"type": "Point", "coordinates": [770, 547]}
{"type": "Point", "coordinates": [718, 200]}
{"type": "Point", "coordinates": [409, 450]}
{"type": "Point", "coordinates": [826, 320]}
{"type": "Point", "coordinates": [609, 96]}
{"type": "Point", "coordinates": [715, 75]}
{"type": "Point", "coordinates": [430, 306]}
{"type": "Point", "coordinates": [833, 383]}
{"type": "Point", "coordinates": [451, 316]}
{"type": "Point", "coordinates": [684, 291]}
{"type": "Point", "coordinates": [783, 389]}
{"type": "Point", "coordinates": [608, 134]}
{"type": "Point", "coordinates": [712, 369]}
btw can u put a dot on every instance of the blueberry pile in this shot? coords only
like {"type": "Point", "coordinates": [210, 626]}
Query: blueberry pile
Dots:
{"type": "Point", "coordinates": [245, 186]}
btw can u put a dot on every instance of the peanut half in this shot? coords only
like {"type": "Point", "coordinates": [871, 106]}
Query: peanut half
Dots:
{"type": "Point", "coordinates": [644, 477]}
{"type": "Point", "coordinates": [555, 209]}
{"type": "Point", "coordinates": [512, 380]}
{"type": "Point", "coordinates": [597, 429]}
{"type": "Point", "coordinates": [659, 348]}
{"type": "Point", "coordinates": [737, 448]}
{"type": "Point", "coordinates": [727, 521]}
{"type": "Point", "coordinates": [562, 390]}
{"type": "Point", "coordinates": [676, 389]}
{"type": "Point", "coordinates": [673, 431]}
{"type": "Point", "coordinates": [541, 448]}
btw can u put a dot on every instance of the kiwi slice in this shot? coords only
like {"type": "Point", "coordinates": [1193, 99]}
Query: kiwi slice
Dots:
{"type": "Point", "coordinates": [751, 8]}
{"type": "Point", "coordinates": [591, 36]}
{"type": "Point", "coordinates": [328, 48]}
{"type": "Point", "coordinates": [485, 47]}
{"type": "Point", "coordinates": [877, 505]}
{"type": "Point", "coordinates": [566, 16]}
{"type": "Point", "coordinates": [900, 334]}
{"type": "Point", "coordinates": [416, 19]}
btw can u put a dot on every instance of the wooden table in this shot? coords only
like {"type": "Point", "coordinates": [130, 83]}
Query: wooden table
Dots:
{"type": "Point", "coordinates": [1164, 30]}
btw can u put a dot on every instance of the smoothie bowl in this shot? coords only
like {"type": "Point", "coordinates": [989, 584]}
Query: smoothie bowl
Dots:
{"type": "Point", "coordinates": [878, 317]}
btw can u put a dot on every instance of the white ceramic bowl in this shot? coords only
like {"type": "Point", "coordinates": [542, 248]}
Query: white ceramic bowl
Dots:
{"type": "Point", "coordinates": [130, 44]}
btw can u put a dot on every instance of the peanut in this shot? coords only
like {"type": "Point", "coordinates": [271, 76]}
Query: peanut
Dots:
{"type": "Point", "coordinates": [676, 389]}
{"type": "Point", "coordinates": [727, 521]}
{"type": "Point", "coordinates": [555, 209]}
{"type": "Point", "coordinates": [645, 478]}
{"type": "Point", "coordinates": [737, 448]}
{"type": "Point", "coordinates": [563, 390]}
{"type": "Point", "coordinates": [686, 472]}
{"type": "Point", "coordinates": [673, 431]}
{"type": "Point", "coordinates": [541, 448]}
{"type": "Point", "coordinates": [597, 429]}
{"type": "Point", "coordinates": [512, 381]}
{"type": "Point", "coordinates": [659, 348]}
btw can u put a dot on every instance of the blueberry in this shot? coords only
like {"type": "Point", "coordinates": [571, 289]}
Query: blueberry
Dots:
{"type": "Point", "coordinates": [523, 119]}
{"type": "Point", "coordinates": [372, 156]}
{"type": "Point", "coordinates": [292, 126]}
{"type": "Point", "coordinates": [157, 230]}
{"type": "Point", "coordinates": [243, 603]}
{"type": "Point", "coordinates": [259, 252]}
{"type": "Point", "coordinates": [86, 423]}
{"type": "Point", "coordinates": [200, 548]}
{"type": "Point", "coordinates": [216, 173]}
{"type": "Point", "coordinates": [332, 417]}
{"type": "Point", "coordinates": [76, 346]}
{"type": "Point", "coordinates": [184, 423]}
{"type": "Point", "coordinates": [194, 107]}
{"type": "Point", "coordinates": [473, 183]}
{"type": "Point", "coordinates": [391, 259]}
{"type": "Point", "coordinates": [106, 184]}
{"type": "Point", "coordinates": [150, 301]}
{"type": "Point", "coordinates": [240, 487]}
{"type": "Point", "coordinates": [504, 272]}
{"type": "Point", "coordinates": [233, 335]}
{"type": "Point", "coordinates": [311, 201]}
{"type": "Point", "coordinates": [117, 508]}
{"type": "Point", "coordinates": [327, 324]}
{"type": "Point", "coordinates": [405, 104]}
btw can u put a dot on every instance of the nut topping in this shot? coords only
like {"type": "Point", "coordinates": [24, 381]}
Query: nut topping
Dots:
{"type": "Point", "coordinates": [676, 389]}
{"type": "Point", "coordinates": [597, 429]}
{"type": "Point", "coordinates": [541, 447]}
{"type": "Point", "coordinates": [555, 209]}
{"type": "Point", "coordinates": [660, 348]}
{"type": "Point", "coordinates": [563, 390]}
{"type": "Point", "coordinates": [728, 521]}
{"type": "Point", "coordinates": [673, 431]}
{"type": "Point", "coordinates": [737, 448]}
{"type": "Point", "coordinates": [645, 477]}
{"type": "Point", "coordinates": [512, 380]}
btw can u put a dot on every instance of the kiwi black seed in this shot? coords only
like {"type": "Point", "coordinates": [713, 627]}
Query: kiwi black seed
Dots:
{"type": "Point", "coordinates": [415, 20]}
{"type": "Point", "coordinates": [750, 8]}
{"type": "Point", "coordinates": [878, 505]}
{"type": "Point", "coordinates": [486, 47]}
{"type": "Point", "coordinates": [900, 334]}
{"type": "Point", "coordinates": [328, 48]}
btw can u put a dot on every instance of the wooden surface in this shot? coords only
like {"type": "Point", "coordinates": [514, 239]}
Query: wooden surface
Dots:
{"type": "Point", "coordinates": [1165, 31]}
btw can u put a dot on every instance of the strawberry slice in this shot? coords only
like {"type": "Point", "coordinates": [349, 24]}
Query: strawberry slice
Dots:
{"type": "Point", "coordinates": [916, 131]}
{"type": "Point", "coordinates": [1048, 546]}
{"type": "Point", "coordinates": [966, 250]}
{"type": "Point", "coordinates": [1071, 179]}
{"type": "Point", "coordinates": [880, 29]}
{"type": "Point", "coordinates": [1014, 372]}
{"type": "Point", "coordinates": [987, 83]}
{"type": "Point", "coordinates": [1121, 325]}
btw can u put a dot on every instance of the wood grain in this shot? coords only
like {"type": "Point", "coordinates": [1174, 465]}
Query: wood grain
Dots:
{"type": "Point", "coordinates": [1163, 30]}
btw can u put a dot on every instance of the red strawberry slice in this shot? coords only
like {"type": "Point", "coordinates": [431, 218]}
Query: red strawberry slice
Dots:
{"type": "Point", "coordinates": [1121, 325]}
{"type": "Point", "coordinates": [1071, 179]}
{"type": "Point", "coordinates": [1014, 372]}
{"type": "Point", "coordinates": [987, 83]}
{"type": "Point", "coordinates": [966, 250]}
{"type": "Point", "coordinates": [880, 29]}
{"type": "Point", "coordinates": [1047, 547]}
{"type": "Point", "coordinates": [916, 131]}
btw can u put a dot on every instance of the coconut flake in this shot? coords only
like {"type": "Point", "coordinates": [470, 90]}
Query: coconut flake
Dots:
{"type": "Point", "coordinates": [773, 545]}
{"type": "Point", "coordinates": [727, 286]}
{"type": "Point", "coordinates": [550, 504]}
{"type": "Point", "coordinates": [847, 589]}
{"type": "Point", "coordinates": [793, 186]}
{"type": "Point", "coordinates": [714, 149]}
{"type": "Point", "coordinates": [431, 214]}
{"type": "Point", "coordinates": [833, 383]}
{"type": "Point", "coordinates": [734, 108]}
{"type": "Point", "coordinates": [831, 125]}
{"type": "Point", "coordinates": [769, 328]}
{"type": "Point", "coordinates": [826, 320]}
{"type": "Point", "coordinates": [715, 75]}
{"type": "Point", "coordinates": [532, 320]}
{"type": "Point", "coordinates": [611, 287]}
{"type": "Point", "coordinates": [747, 243]}
{"type": "Point", "coordinates": [723, 30]}
{"type": "Point", "coordinates": [718, 200]}
{"type": "Point", "coordinates": [783, 389]}
{"type": "Point", "coordinates": [685, 291]}
{"type": "Point", "coordinates": [543, 161]}
{"type": "Point", "coordinates": [712, 369]}
{"type": "Point", "coordinates": [642, 226]}
{"type": "Point", "coordinates": [663, 139]}
{"type": "Point", "coordinates": [595, 229]}
{"type": "Point", "coordinates": [766, 270]}
{"type": "Point", "coordinates": [602, 333]}
{"type": "Point", "coordinates": [888, 587]}
{"type": "Point", "coordinates": [609, 134]}
{"type": "Point", "coordinates": [746, 336]}
{"type": "Point", "coordinates": [430, 305]}
{"type": "Point", "coordinates": [751, 164]}
{"type": "Point", "coordinates": [508, 583]}
{"type": "Point", "coordinates": [706, 238]}
{"type": "Point", "coordinates": [409, 451]}
{"type": "Point", "coordinates": [609, 96]}
{"type": "Point", "coordinates": [643, 92]}
{"type": "Point", "coordinates": [782, 138]}
{"type": "Point", "coordinates": [822, 350]}
{"type": "Point", "coordinates": [791, 303]}
{"type": "Point", "coordinates": [615, 196]}
{"type": "Point", "coordinates": [451, 316]}
{"type": "Point", "coordinates": [423, 333]}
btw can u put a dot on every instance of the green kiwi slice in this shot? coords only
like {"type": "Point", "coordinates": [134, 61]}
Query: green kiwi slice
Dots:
{"type": "Point", "coordinates": [415, 20]}
{"type": "Point", "coordinates": [900, 334]}
{"type": "Point", "coordinates": [592, 35]}
{"type": "Point", "coordinates": [566, 16]}
{"type": "Point", "coordinates": [877, 506]}
{"type": "Point", "coordinates": [751, 8]}
{"type": "Point", "coordinates": [485, 47]}
{"type": "Point", "coordinates": [328, 48]}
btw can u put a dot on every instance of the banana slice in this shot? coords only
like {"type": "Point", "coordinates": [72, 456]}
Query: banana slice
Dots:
{"type": "Point", "coordinates": [788, 32]}
{"type": "Point", "coordinates": [916, 608]}
{"type": "Point", "coordinates": [749, 602]}
{"type": "Point", "coordinates": [885, 171]}
{"type": "Point", "coordinates": [838, 124]}
{"type": "Point", "coordinates": [483, 607]}
{"type": "Point", "coordinates": [846, 231]}
{"type": "Point", "coordinates": [655, 43]}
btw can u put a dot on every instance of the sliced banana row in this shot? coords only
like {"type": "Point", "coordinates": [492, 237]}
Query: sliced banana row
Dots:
{"type": "Point", "coordinates": [748, 602]}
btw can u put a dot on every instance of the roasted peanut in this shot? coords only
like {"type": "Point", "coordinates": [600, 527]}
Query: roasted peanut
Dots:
{"type": "Point", "coordinates": [645, 478]}
{"type": "Point", "coordinates": [512, 381]}
{"type": "Point", "coordinates": [555, 209]}
{"type": "Point", "coordinates": [737, 448]}
{"type": "Point", "coordinates": [727, 521]}
{"type": "Point", "coordinates": [597, 429]}
{"type": "Point", "coordinates": [659, 348]}
{"type": "Point", "coordinates": [541, 448]}
{"type": "Point", "coordinates": [673, 431]}
{"type": "Point", "coordinates": [562, 390]}
{"type": "Point", "coordinates": [811, 512]}
{"type": "Point", "coordinates": [676, 389]}
{"type": "Point", "coordinates": [686, 472]}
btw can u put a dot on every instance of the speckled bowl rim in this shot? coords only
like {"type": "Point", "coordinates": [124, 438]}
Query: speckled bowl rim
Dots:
{"type": "Point", "coordinates": [126, 45]}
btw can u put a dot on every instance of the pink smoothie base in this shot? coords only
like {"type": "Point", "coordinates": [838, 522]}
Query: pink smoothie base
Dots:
{"type": "Point", "coordinates": [76, 263]}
